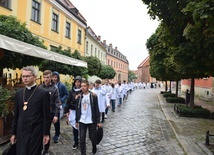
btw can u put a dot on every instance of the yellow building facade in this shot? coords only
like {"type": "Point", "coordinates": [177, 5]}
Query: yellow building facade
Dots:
{"type": "Point", "coordinates": [56, 22]}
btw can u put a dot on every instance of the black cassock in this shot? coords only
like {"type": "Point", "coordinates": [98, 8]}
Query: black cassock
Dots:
{"type": "Point", "coordinates": [31, 124]}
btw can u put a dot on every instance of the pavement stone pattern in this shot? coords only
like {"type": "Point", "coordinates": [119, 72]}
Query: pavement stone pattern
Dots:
{"type": "Point", "coordinates": [144, 125]}
{"type": "Point", "coordinates": [191, 132]}
{"type": "Point", "coordinates": [137, 127]}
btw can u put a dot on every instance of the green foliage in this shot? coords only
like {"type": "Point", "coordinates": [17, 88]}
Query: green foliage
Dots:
{"type": "Point", "coordinates": [10, 26]}
{"type": "Point", "coordinates": [175, 99]}
{"type": "Point", "coordinates": [169, 95]}
{"type": "Point", "coordinates": [163, 92]}
{"type": "Point", "coordinates": [162, 66]}
{"type": "Point", "coordinates": [196, 111]}
{"type": "Point", "coordinates": [107, 72]}
{"type": "Point", "coordinates": [131, 75]}
{"type": "Point", "coordinates": [64, 68]}
{"type": "Point", "coordinates": [94, 65]}
{"type": "Point", "coordinates": [4, 96]}
{"type": "Point", "coordinates": [186, 35]}
{"type": "Point", "coordinates": [184, 38]}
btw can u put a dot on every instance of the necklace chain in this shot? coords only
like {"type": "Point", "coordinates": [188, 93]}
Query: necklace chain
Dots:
{"type": "Point", "coordinates": [30, 95]}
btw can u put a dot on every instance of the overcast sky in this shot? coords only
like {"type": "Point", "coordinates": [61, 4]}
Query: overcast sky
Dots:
{"type": "Point", "coordinates": [124, 23]}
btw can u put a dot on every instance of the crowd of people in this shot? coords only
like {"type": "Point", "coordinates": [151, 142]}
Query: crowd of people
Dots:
{"type": "Point", "coordinates": [85, 106]}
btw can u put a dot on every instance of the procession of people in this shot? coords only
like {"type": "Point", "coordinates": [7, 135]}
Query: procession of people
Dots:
{"type": "Point", "coordinates": [85, 107]}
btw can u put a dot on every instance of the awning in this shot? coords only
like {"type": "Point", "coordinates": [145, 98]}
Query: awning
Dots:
{"type": "Point", "coordinates": [31, 50]}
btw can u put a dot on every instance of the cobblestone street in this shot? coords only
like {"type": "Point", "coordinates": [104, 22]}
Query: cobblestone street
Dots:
{"type": "Point", "coordinates": [138, 127]}
{"type": "Point", "coordinates": [144, 125]}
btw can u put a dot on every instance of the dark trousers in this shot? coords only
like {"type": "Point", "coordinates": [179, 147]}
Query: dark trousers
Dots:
{"type": "Point", "coordinates": [82, 130]}
{"type": "Point", "coordinates": [106, 111]}
{"type": "Point", "coordinates": [48, 144]}
{"type": "Point", "coordinates": [57, 127]}
{"type": "Point", "coordinates": [75, 133]}
{"type": "Point", "coordinates": [103, 116]}
{"type": "Point", "coordinates": [113, 105]}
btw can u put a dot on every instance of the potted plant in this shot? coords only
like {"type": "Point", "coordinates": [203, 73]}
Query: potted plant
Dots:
{"type": "Point", "coordinates": [4, 96]}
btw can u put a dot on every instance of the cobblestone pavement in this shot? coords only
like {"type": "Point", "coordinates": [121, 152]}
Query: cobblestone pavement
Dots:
{"type": "Point", "coordinates": [139, 127]}
{"type": "Point", "coordinates": [191, 132]}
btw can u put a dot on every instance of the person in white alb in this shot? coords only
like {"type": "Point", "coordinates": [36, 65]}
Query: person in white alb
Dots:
{"type": "Point", "coordinates": [119, 93]}
{"type": "Point", "coordinates": [101, 95]}
{"type": "Point", "coordinates": [113, 97]}
{"type": "Point", "coordinates": [108, 89]}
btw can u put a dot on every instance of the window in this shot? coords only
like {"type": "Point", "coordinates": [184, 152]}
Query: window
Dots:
{"type": "Point", "coordinates": [95, 52]}
{"type": "Point", "coordinates": [91, 50]}
{"type": "Point", "coordinates": [87, 47]}
{"type": "Point", "coordinates": [55, 21]}
{"type": "Point", "coordinates": [98, 54]}
{"type": "Point", "coordinates": [79, 37]}
{"type": "Point", "coordinates": [5, 3]}
{"type": "Point", "coordinates": [68, 30]}
{"type": "Point", "coordinates": [101, 56]}
{"type": "Point", "coordinates": [53, 48]}
{"type": "Point", "coordinates": [35, 16]}
{"type": "Point", "coordinates": [108, 62]}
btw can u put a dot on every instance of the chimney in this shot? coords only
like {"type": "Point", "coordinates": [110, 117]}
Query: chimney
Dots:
{"type": "Point", "coordinates": [116, 48]}
{"type": "Point", "coordinates": [110, 45]}
{"type": "Point", "coordinates": [99, 38]}
{"type": "Point", "coordinates": [104, 41]}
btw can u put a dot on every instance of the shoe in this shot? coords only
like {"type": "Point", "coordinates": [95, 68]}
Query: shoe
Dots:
{"type": "Point", "coordinates": [75, 146]}
{"type": "Point", "coordinates": [113, 110]}
{"type": "Point", "coordinates": [56, 139]}
{"type": "Point", "coordinates": [105, 116]}
{"type": "Point", "coordinates": [94, 150]}
{"type": "Point", "coordinates": [45, 152]}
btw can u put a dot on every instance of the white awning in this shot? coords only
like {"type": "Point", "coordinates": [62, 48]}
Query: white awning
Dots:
{"type": "Point", "coordinates": [31, 50]}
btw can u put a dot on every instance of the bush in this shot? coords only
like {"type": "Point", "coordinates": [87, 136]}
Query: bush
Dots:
{"type": "Point", "coordinates": [169, 95]}
{"type": "Point", "coordinates": [163, 92]}
{"type": "Point", "coordinates": [168, 92]}
{"type": "Point", "coordinates": [196, 111]}
{"type": "Point", "coordinates": [175, 100]}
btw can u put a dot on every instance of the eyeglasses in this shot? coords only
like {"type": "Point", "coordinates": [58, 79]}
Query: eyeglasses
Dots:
{"type": "Point", "coordinates": [26, 76]}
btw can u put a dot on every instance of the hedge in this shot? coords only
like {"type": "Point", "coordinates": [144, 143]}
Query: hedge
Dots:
{"type": "Point", "coordinates": [169, 95]}
{"type": "Point", "coordinates": [175, 100]}
{"type": "Point", "coordinates": [196, 111]}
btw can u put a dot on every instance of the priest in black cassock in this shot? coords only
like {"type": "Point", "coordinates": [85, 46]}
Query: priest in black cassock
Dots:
{"type": "Point", "coordinates": [30, 127]}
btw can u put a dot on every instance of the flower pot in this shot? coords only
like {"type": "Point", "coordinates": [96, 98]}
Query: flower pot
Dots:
{"type": "Point", "coordinates": [1, 126]}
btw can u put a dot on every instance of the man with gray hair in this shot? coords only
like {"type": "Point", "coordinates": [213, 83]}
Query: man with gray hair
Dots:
{"type": "Point", "coordinates": [31, 123]}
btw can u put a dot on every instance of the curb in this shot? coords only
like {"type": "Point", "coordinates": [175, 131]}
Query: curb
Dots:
{"type": "Point", "coordinates": [184, 144]}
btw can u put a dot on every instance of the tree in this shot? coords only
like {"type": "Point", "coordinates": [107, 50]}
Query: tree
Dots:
{"type": "Point", "coordinates": [94, 65]}
{"type": "Point", "coordinates": [161, 65]}
{"type": "Point", "coordinates": [191, 47]}
{"type": "Point", "coordinates": [10, 26]}
{"type": "Point", "coordinates": [107, 72]}
{"type": "Point", "coordinates": [64, 68]}
{"type": "Point", "coordinates": [131, 75]}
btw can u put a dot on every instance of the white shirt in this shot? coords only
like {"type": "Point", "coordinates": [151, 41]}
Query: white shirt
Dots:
{"type": "Point", "coordinates": [86, 115]}
{"type": "Point", "coordinates": [101, 94]}
{"type": "Point", "coordinates": [114, 94]}
{"type": "Point", "coordinates": [120, 91]}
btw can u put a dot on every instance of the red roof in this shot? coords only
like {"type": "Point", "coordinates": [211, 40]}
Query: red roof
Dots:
{"type": "Point", "coordinates": [144, 61]}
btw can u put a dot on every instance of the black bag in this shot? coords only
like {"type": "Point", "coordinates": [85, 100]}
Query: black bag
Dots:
{"type": "Point", "coordinates": [11, 150]}
{"type": "Point", "coordinates": [99, 135]}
